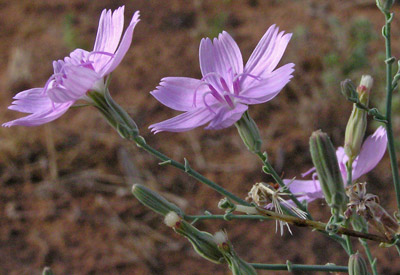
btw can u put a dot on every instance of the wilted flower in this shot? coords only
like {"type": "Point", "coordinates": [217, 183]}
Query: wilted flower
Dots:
{"type": "Point", "coordinates": [360, 200]}
{"type": "Point", "coordinates": [226, 89]}
{"type": "Point", "coordinates": [78, 73]}
{"type": "Point", "coordinates": [367, 205]}
{"type": "Point", "coordinates": [371, 153]}
{"type": "Point", "coordinates": [270, 196]}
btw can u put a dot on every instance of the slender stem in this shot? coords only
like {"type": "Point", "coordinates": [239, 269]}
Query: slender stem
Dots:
{"type": "Point", "coordinates": [349, 167]}
{"type": "Point", "coordinates": [300, 267]}
{"type": "Point", "coordinates": [371, 260]}
{"type": "Point", "coordinates": [389, 90]}
{"type": "Point", "coordinates": [348, 244]}
{"type": "Point", "coordinates": [278, 179]}
{"type": "Point", "coordinates": [398, 248]}
{"type": "Point", "coordinates": [226, 217]}
{"type": "Point", "coordinates": [187, 169]}
{"type": "Point", "coordinates": [322, 226]}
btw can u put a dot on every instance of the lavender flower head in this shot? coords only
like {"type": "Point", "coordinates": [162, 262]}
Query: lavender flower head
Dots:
{"type": "Point", "coordinates": [78, 73]}
{"type": "Point", "coordinates": [371, 153]}
{"type": "Point", "coordinates": [226, 88]}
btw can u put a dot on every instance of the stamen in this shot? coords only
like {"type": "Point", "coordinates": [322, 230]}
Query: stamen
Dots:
{"type": "Point", "coordinates": [195, 92]}
{"type": "Point", "coordinates": [229, 101]}
{"type": "Point", "coordinates": [224, 85]}
{"type": "Point", "coordinates": [100, 52]}
{"type": "Point", "coordinates": [247, 74]}
{"type": "Point", "coordinates": [205, 103]}
{"type": "Point", "coordinates": [53, 77]}
{"type": "Point", "coordinates": [215, 93]}
{"type": "Point", "coordinates": [312, 170]}
{"type": "Point", "coordinates": [236, 87]}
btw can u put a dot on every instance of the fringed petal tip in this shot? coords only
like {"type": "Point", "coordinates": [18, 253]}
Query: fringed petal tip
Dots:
{"type": "Point", "coordinates": [135, 18]}
{"type": "Point", "coordinates": [7, 125]}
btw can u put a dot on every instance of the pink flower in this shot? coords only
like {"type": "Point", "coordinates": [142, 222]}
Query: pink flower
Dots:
{"type": "Point", "coordinates": [226, 89]}
{"type": "Point", "coordinates": [77, 73]}
{"type": "Point", "coordinates": [371, 153]}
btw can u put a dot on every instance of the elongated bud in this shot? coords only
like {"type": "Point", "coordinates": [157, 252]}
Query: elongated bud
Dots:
{"type": "Point", "coordinates": [202, 242]}
{"type": "Point", "coordinates": [323, 155]}
{"type": "Point", "coordinates": [249, 133]}
{"type": "Point", "coordinates": [357, 265]}
{"type": "Point", "coordinates": [154, 201]}
{"type": "Point", "coordinates": [348, 89]}
{"type": "Point", "coordinates": [357, 124]}
{"type": "Point", "coordinates": [385, 5]}
{"type": "Point", "coordinates": [47, 271]}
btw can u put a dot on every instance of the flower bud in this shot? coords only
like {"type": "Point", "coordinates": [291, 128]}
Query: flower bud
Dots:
{"type": "Point", "coordinates": [249, 133]}
{"type": "Point", "coordinates": [202, 242]}
{"type": "Point", "coordinates": [154, 201]}
{"type": "Point", "coordinates": [348, 89]}
{"type": "Point", "coordinates": [323, 155]}
{"type": "Point", "coordinates": [357, 124]}
{"type": "Point", "coordinates": [357, 265]}
{"type": "Point", "coordinates": [385, 5]}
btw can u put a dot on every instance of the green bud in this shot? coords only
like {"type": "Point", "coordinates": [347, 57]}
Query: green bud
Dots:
{"type": "Point", "coordinates": [348, 89]}
{"type": "Point", "coordinates": [47, 271]}
{"type": "Point", "coordinates": [385, 5]}
{"type": "Point", "coordinates": [249, 133]}
{"type": "Point", "coordinates": [323, 155]}
{"type": "Point", "coordinates": [154, 201]}
{"type": "Point", "coordinates": [357, 124]}
{"type": "Point", "coordinates": [202, 242]}
{"type": "Point", "coordinates": [357, 265]}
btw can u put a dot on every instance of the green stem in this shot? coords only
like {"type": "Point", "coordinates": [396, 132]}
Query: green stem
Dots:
{"type": "Point", "coordinates": [389, 90]}
{"type": "Point", "coordinates": [278, 179]}
{"type": "Point", "coordinates": [348, 244]}
{"type": "Point", "coordinates": [187, 169]}
{"type": "Point", "coordinates": [371, 260]}
{"type": "Point", "coordinates": [349, 167]}
{"type": "Point", "coordinates": [300, 267]}
{"type": "Point", "coordinates": [226, 217]}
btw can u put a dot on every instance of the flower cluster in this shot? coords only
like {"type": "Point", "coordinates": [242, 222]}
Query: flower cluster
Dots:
{"type": "Point", "coordinates": [372, 151]}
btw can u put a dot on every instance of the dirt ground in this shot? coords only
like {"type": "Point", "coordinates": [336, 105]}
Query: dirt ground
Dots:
{"type": "Point", "coordinates": [65, 198]}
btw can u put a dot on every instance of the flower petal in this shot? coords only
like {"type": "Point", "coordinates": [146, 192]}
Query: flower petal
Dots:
{"type": "Point", "coordinates": [342, 160]}
{"type": "Point", "coordinates": [308, 190]}
{"type": "Point", "coordinates": [226, 116]}
{"type": "Point", "coordinates": [109, 31]}
{"type": "Point", "coordinates": [371, 153]}
{"type": "Point", "coordinates": [122, 49]}
{"type": "Point", "coordinates": [266, 89]}
{"type": "Point", "coordinates": [30, 101]}
{"type": "Point", "coordinates": [222, 56]}
{"type": "Point", "coordinates": [39, 104]}
{"type": "Point", "coordinates": [77, 81]}
{"type": "Point", "coordinates": [184, 122]}
{"type": "Point", "coordinates": [178, 93]}
{"type": "Point", "coordinates": [267, 54]}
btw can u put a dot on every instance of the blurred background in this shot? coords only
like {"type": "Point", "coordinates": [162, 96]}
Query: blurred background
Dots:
{"type": "Point", "coordinates": [65, 198]}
